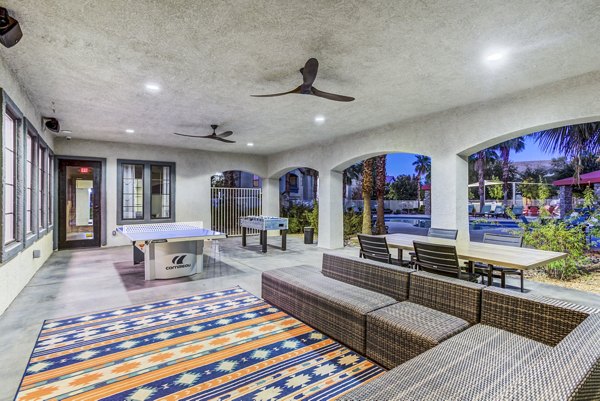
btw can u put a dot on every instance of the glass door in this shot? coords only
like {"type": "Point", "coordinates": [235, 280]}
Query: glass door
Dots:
{"type": "Point", "coordinates": [79, 203]}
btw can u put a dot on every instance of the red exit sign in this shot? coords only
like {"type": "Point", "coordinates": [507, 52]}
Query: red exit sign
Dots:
{"type": "Point", "coordinates": [84, 170]}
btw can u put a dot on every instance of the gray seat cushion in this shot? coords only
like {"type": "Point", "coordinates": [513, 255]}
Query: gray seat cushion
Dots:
{"type": "Point", "coordinates": [400, 332]}
{"type": "Point", "coordinates": [476, 364]}
{"type": "Point", "coordinates": [330, 306]}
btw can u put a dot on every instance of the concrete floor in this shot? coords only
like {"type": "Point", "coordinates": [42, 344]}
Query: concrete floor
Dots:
{"type": "Point", "coordinates": [81, 281]}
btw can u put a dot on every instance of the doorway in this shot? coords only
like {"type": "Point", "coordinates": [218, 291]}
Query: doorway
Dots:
{"type": "Point", "coordinates": [79, 203]}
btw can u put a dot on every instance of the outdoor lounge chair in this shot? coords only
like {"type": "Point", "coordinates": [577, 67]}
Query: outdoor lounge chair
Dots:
{"type": "Point", "coordinates": [491, 271]}
{"type": "Point", "coordinates": [499, 211]}
{"type": "Point", "coordinates": [485, 210]}
{"type": "Point", "coordinates": [374, 247]}
{"type": "Point", "coordinates": [439, 259]}
{"type": "Point", "coordinates": [471, 209]}
{"type": "Point", "coordinates": [517, 211]}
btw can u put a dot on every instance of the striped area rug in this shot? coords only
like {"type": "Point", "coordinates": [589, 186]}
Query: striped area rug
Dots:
{"type": "Point", "coordinates": [225, 345]}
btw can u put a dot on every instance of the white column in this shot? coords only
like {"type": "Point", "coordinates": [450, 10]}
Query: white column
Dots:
{"type": "Point", "coordinates": [331, 210]}
{"type": "Point", "coordinates": [270, 197]}
{"type": "Point", "coordinates": [270, 200]}
{"type": "Point", "coordinates": [449, 193]}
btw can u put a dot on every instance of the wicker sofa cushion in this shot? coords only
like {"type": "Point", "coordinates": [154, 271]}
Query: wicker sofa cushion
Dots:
{"type": "Point", "coordinates": [446, 294]}
{"type": "Point", "coordinates": [402, 331]}
{"type": "Point", "coordinates": [380, 277]}
{"type": "Point", "coordinates": [476, 364]}
{"type": "Point", "coordinates": [330, 306]}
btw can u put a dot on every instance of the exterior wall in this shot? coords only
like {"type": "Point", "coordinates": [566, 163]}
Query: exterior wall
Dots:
{"type": "Point", "coordinates": [192, 181]}
{"type": "Point", "coordinates": [16, 272]}
{"type": "Point", "coordinates": [448, 137]}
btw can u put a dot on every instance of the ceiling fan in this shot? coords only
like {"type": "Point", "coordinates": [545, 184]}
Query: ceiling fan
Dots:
{"type": "Point", "coordinates": [218, 137]}
{"type": "Point", "coordinates": [309, 74]}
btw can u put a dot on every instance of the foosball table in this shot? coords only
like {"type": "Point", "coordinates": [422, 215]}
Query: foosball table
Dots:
{"type": "Point", "coordinates": [264, 224]}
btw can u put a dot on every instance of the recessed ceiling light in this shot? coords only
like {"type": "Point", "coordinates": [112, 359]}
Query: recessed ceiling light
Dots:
{"type": "Point", "coordinates": [129, 131]}
{"type": "Point", "coordinates": [152, 87]}
{"type": "Point", "coordinates": [495, 56]}
{"type": "Point", "coordinates": [319, 119]}
{"type": "Point", "coordinates": [250, 144]}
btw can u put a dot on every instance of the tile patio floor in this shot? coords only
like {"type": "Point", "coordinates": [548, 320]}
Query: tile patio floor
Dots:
{"type": "Point", "coordinates": [80, 281]}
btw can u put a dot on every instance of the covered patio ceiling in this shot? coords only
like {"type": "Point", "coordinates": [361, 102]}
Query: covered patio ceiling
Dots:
{"type": "Point", "coordinates": [87, 63]}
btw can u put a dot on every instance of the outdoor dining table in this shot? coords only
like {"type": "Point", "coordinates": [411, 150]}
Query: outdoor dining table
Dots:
{"type": "Point", "coordinates": [490, 254]}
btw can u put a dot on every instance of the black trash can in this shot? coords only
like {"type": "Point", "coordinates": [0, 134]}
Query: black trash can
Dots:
{"type": "Point", "coordinates": [309, 233]}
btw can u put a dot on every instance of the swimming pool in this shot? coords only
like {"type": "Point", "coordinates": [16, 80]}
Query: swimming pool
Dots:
{"type": "Point", "coordinates": [422, 221]}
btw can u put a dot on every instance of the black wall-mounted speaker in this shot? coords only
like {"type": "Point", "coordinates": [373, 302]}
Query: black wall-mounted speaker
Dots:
{"type": "Point", "coordinates": [10, 31]}
{"type": "Point", "coordinates": [52, 124]}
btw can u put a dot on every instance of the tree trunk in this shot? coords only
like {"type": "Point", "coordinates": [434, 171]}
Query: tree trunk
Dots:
{"type": "Point", "coordinates": [480, 172]}
{"type": "Point", "coordinates": [505, 153]}
{"type": "Point", "coordinates": [344, 188]}
{"type": "Point", "coordinates": [380, 191]}
{"type": "Point", "coordinates": [367, 191]}
{"type": "Point", "coordinates": [418, 190]}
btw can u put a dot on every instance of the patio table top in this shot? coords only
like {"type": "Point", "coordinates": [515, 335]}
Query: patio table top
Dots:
{"type": "Point", "coordinates": [498, 255]}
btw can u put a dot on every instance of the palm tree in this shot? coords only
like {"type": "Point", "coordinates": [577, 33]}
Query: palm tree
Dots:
{"type": "Point", "coordinates": [572, 140]}
{"type": "Point", "coordinates": [229, 179]}
{"type": "Point", "coordinates": [367, 191]}
{"type": "Point", "coordinates": [380, 177]}
{"type": "Point", "coordinates": [480, 158]}
{"type": "Point", "coordinates": [350, 174]}
{"type": "Point", "coordinates": [309, 172]}
{"type": "Point", "coordinates": [422, 168]}
{"type": "Point", "coordinates": [517, 145]}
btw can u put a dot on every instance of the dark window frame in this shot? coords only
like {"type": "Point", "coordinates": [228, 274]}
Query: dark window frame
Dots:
{"type": "Point", "coordinates": [11, 249]}
{"type": "Point", "coordinates": [147, 191]}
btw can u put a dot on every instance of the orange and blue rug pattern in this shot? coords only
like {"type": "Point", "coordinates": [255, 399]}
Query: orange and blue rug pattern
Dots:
{"type": "Point", "coordinates": [221, 345]}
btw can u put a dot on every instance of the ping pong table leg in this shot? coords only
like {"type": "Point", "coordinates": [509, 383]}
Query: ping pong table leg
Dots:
{"type": "Point", "coordinates": [149, 261]}
{"type": "Point", "coordinates": [243, 236]}
{"type": "Point", "coordinates": [283, 240]}
{"type": "Point", "coordinates": [199, 256]}
{"type": "Point", "coordinates": [263, 240]}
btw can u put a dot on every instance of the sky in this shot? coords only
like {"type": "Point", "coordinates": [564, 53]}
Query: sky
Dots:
{"type": "Point", "coordinates": [401, 163]}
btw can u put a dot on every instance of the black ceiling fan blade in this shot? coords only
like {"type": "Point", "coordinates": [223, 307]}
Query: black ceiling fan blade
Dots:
{"type": "Point", "coordinates": [297, 90]}
{"type": "Point", "coordinates": [309, 72]}
{"type": "Point", "coordinates": [331, 96]}
{"type": "Point", "coordinates": [192, 136]}
{"type": "Point", "coordinates": [225, 134]}
{"type": "Point", "coordinates": [223, 140]}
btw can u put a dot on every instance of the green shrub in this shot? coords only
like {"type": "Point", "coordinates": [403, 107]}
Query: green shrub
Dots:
{"type": "Point", "coordinates": [555, 235]}
{"type": "Point", "coordinates": [352, 224]}
{"type": "Point", "coordinates": [299, 216]}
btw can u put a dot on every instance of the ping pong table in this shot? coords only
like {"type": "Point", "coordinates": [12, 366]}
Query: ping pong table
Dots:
{"type": "Point", "coordinates": [169, 250]}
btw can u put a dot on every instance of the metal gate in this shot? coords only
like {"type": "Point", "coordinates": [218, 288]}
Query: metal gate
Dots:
{"type": "Point", "coordinates": [229, 204]}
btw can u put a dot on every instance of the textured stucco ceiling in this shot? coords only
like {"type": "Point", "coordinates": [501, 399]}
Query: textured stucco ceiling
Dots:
{"type": "Point", "coordinates": [89, 60]}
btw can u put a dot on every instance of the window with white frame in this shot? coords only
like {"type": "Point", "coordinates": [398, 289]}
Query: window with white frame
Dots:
{"type": "Point", "coordinates": [29, 181]}
{"type": "Point", "coordinates": [145, 191]}
{"type": "Point", "coordinates": [9, 156]}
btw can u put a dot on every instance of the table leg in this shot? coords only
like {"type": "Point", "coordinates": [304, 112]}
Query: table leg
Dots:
{"type": "Point", "coordinates": [263, 236]}
{"type": "Point", "coordinates": [199, 256]}
{"type": "Point", "coordinates": [490, 275]}
{"type": "Point", "coordinates": [283, 240]}
{"type": "Point", "coordinates": [149, 261]}
{"type": "Point", "coordinates": [243, 236]}
{"type": "Point", "coordinates": [260, 237]}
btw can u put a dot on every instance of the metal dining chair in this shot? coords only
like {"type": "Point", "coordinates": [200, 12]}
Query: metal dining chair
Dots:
{"type": "Point", "coordinates": [375, 248]}
{"type": "Point", "coordinates": [491, 271]}
{"type": "Point", "coordinates": [439, 259]}
{"type": "Point", "coordinates": [437, 233]}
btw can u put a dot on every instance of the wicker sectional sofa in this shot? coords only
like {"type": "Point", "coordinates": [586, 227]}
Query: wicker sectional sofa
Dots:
{"type": "Point", "coordinates": [449, 340]}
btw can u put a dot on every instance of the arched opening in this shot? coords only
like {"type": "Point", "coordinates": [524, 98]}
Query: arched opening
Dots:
{"type": "Point", "coordinates": [234, 194]}
{"type": "Point", "coordinates": [298, 199]}
{"type": "Point", "coordinates": [397, 186]}
{"type": "Point", "coordinates": [543, 187]}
